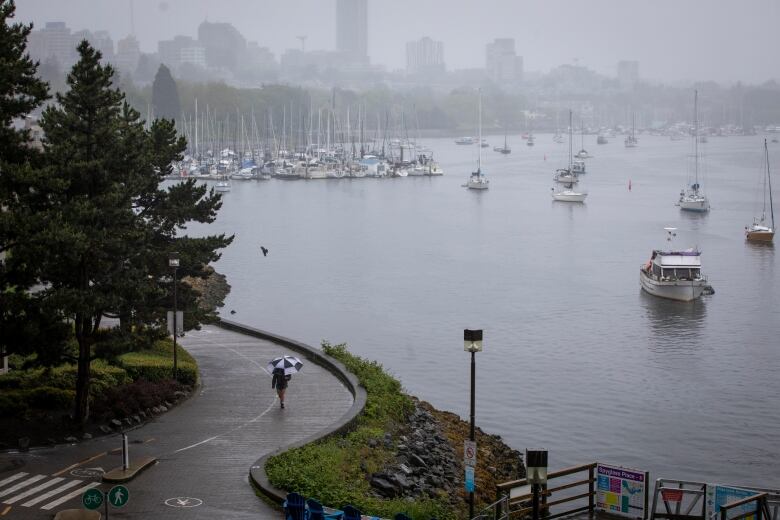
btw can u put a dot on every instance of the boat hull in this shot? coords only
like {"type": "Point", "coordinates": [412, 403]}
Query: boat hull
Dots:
{"type": "Point", "coordinates": [680, 290]}
{"type": "Point", "coordinates": [569, 196]}
{"type": "Point", "coordinates": [760, 236]}
{"type": "Point", "coordinates": [699, 206]}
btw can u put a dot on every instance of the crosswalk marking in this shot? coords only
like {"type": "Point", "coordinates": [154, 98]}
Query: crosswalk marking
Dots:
{"type": "Point", "coordinates": [56, 491]}
{"type": "Point", "coordinates": [52, 505]}
{"type": "Point", "coordinates": [21, 484]}
{"type": "Point", "coordinates": [12, 478]}
{"type": "Point", "coordinates": [34, 490]}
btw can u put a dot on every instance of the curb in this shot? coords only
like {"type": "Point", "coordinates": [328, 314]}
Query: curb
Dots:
{"type": "Point", "coordinates": [119, 475]}
{"type": "Point", "coordinates": [257, 474]}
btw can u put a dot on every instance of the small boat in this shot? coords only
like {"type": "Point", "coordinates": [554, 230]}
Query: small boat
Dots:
{"type": "Point", "coordinates": [530, 141]}
{"type": "Point", "coordinates": [759, 231]}
{"type": "Point", "coordinates": [464, 140]}
{"type": "Point", "coordinates": [631, 140]}
{"type": "Point", "coordinates": [601, 139]}
{"type": "Point", "coordinates": [578, 167]}
{"type": "Point", "coordinates": [477, 180]}
{"type": "Point", "coordinates": [223, 185]}
{"type": "Point", "coordinates": [675, 275]}
{"type": "Point", "coordinates": [569, 194]}
{"type": "Point", "coordinates": [505, 149]}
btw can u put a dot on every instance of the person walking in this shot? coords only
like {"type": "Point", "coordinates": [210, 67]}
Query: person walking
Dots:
{"type": "Point", "coordinates": [279, 381]}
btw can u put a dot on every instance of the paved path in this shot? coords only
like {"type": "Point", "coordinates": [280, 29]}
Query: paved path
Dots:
{"type": "Point", "coordinates": [205, 446]}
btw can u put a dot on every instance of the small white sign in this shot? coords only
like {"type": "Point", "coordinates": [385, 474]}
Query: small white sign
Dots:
{"type": "Point", "coordinates": [179, 323]}
{"type": "Point", "coordinates": [470, 453]}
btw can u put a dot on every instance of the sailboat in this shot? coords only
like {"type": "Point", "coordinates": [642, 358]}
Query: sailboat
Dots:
{"type": "Point", "coordinates": [631, 140]}
{"type": "Point", "coordinates": [568, 193]}
{"type": "Point", "coordinates": [692, 198]}
{"type": "Point", "coordinates": [477, 180]}
{"type": "Point", "coordinates": [505, 150]}
{"type": "Point", "coordinates": [759, 231]}
{"type": "Point", "coordinates": [583, 153]}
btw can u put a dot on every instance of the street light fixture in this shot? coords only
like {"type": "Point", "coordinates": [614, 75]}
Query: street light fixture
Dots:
{"type": "Point", "coordinates": [173, 261]}
{"type": "Point", "coordinates": [536, 475]}
{"type": "Point", "coordinates": [472, 342]}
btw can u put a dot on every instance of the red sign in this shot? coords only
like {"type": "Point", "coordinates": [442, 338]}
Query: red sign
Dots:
{"type": "Point", "coordinates": [672, 495]}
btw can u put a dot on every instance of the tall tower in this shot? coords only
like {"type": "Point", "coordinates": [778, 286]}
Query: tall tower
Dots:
{"type": "Point", "coordinates": [352, 28]}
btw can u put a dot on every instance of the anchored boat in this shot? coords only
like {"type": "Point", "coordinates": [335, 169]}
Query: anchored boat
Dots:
{"type": "Point", "coordinates": [675, 275]}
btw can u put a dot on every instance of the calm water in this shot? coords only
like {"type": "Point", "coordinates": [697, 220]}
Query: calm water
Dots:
{"type": "Point", "coordinates": [576, 357]}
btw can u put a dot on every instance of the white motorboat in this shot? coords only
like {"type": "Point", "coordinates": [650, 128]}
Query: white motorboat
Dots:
{"type": "Point", "coordinates": [675, 275]}
{"type": "Point", "coordinates": [565, 176]}
{"type": "Point", "coordinates": [692, 198]}
{"type": "Point", "coordinates": [760, 230]}
{"type": "Point", "coordinates": [569, 194]}
{"type": "Point", "coordinates": [464, 140]}
{"type": "Point", "coordinates": [578, 167]}
{"type": "Point", "coordinates": [477, 180]}
{"type": "Point", "coordinates": [223, 185]}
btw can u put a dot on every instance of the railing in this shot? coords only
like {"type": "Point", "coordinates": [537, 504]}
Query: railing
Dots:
{"type": "Point", "coordinates": [760, 513]}
{"type": "Point", "coordinates": [518, 506]}
{"type": "Point", "coordinates": [682, 500]}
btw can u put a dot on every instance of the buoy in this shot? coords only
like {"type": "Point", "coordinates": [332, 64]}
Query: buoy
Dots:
{"type": "Point", "coordinates": [629, 184]}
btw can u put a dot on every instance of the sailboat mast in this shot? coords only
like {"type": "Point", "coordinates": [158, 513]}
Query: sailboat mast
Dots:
{"type": "Point", "coordinates": [696, 137]}
{"type": "Point", "coordinates": [570, 139]}
{"type": "Point", "coordinates": [479, 143]}
{"type": "Point", "coordinates": [769, 181]}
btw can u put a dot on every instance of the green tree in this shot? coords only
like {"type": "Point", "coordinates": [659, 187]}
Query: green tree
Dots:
{"type": "Point", "coordinates": [100, 243]}
{"type": "Point", "coordinates": [23, 327]}
{"type": "Point", "coordinates": [165, 95]}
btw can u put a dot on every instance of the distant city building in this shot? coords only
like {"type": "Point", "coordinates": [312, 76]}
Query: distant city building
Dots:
{"type": "Point", "coordinates": [352, 29]}
{"type": "Point", "coordinates": [628, 73]}
{"type": "Point", "coordinates": [128, 52]}
{"type": "Point", "coordinates": [424, 56]}
{"type": "Point", "coordinates": [502, 63]}
{"type": "Point", "coordinates": [224, 46]}
{"type": "Point", "coordinates": [261, 60]}
{"type": "Point", "coordinates": [181, 50]}
{"type": "Point", "coordinates": [53, 42]}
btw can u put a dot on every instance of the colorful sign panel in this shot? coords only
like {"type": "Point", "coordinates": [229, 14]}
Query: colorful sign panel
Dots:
{"type": "Point", "coordinates": [621, 491]}
{"type": "Point", "coordinates": [470, 479]}
{"type": "Point", "coordinates": [718, 495]}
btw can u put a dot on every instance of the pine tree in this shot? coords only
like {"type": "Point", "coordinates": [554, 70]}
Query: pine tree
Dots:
{"type": "Point", "coordinates": [23, 327]}
{"type": "Point", "coordinates": [101, 242]}
{"type": "Point", "coordinates": [165, 95]}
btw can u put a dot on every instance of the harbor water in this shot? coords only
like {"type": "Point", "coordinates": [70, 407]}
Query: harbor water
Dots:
{"type": "Point", "coordinates": [577, 359]}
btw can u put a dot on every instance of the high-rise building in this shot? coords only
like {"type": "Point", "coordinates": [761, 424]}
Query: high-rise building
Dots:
{"type": "Point", "coordinates": [502, 63]}
{"type": "Point", "coordinates": [128, 52]}
{"type": "Point", "coordinates": [54, 42]}
{"type": "Point", "coordinates": [352, 29]}
{"type": "Point", "coordinates": [424, 56]}
{"type": "Point", "coordinates": [628, 73]}
{"type": "Point", "coordinates": [179, 50]}
{"type": "Point", "coordinates": [225, 46]}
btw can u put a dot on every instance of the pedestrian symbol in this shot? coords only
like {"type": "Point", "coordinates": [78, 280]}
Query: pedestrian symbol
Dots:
{"type": "Point", "coordinates": [92, 498]}
{"type": "Point", "coordinates": [118, 496]}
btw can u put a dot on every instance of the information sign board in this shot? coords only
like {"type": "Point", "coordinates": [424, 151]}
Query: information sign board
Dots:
{"type": "Point", "coordinates": [621, 491]}
{"type": "Point", "coordinates": [470, 453]}
{"type": "Point", "coordinates": [470, 479]}
{"type": "Point", "coordinates": [718, 495]}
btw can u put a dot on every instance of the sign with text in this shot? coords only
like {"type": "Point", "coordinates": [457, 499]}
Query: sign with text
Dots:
{"type": "Point", "coordinates": [621, 491]}
{"type": "Point", "coordinates": [719, 495]}
{"type": "Point", "coordinates": [179, 323]}
{"type": "Point", "coordinates": [470, 453]}
{"type": "Point", "coordinates": [470, 479]}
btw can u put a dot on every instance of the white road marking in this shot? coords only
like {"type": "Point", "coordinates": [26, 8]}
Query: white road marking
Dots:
{"type": "Point", "coordinates": [49, 494]}
{"type": "Point", "coordinates": [12, 478]}
{"type": "Point", "coordinates": [21, 484]}
{"type": "Point", "coordinates": [62, 500]}
{"type": "Point", "coordinates": [34, 490]}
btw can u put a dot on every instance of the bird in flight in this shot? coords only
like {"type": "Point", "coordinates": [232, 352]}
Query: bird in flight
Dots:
{"type": "Point", "coordinates": [264, 250]}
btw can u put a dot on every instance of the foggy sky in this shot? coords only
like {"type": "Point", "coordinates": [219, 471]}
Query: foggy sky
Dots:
{"type": "Point", "coordinates": [673, 40]}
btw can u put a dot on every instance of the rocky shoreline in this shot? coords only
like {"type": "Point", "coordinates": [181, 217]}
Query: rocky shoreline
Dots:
{"type": "Point", "coordinates": [428, 459]}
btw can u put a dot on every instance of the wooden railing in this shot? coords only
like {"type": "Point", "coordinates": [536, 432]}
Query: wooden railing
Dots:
{"type": "Point", "coordinates": [519, 505]}
{"type": "Point", "coordinates": [760, 513]}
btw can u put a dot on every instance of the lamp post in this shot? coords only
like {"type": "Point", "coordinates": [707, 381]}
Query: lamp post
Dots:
{"type": "Point", "coordinates": [472, 342]}
{"type": "Point", "coordinates": [536, 474]}
{"type": "Point", "coordinates": [173, 261]}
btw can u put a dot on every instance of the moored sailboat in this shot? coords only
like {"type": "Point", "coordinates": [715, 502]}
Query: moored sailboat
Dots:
{"type": "Point", "coordinates": [569, 177]}
{"type": "Point", "coordinates": [692, 198]}
{"type": "Point", "coordinates": [760, 231]}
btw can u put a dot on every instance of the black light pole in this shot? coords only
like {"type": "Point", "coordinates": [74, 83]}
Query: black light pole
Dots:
{"type": "Point", "coordinates": [536, 475]}
{"type": "Point", "coordinates": [173, 261]}
{"type": "Point", "coordinates": [472, 342]}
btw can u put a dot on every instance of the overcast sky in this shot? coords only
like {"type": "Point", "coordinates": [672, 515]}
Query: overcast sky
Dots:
{"type": "Point", "coordinates": [722, 40]}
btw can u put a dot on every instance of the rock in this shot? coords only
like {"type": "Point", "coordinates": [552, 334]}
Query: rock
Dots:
{"type": "Point", "coordinates": [167, 404]}
{"type": "Point", "coordinates": [156, 410]}
{"type": "Point", "coordinates": [372, 443]}
{"type": "Point", "coordinates": [86, 436]}
{"type": "Point", "coordinates": [406, 469]}
{"type": "Point", "coordinates": [136, 418]}
{"type": "Point", "coordinates": [163, 408]}
{"type": "Point", "coordinates": [50, 440]}
{"type": "Point", "coordinates": [142, 414]}
{"type": "Point", "coordinates": [384, 487]}
{"type": "Point", "coordinates": [105, 429]}
{"type": "Point", "coordinates": [116, 423]}
{"type": "Point", "coordinates": [71, 439]}
{"type": "Point", "coordinates": [415, 460]}
{"type": "Point", "coordinates": [399, 480]}
{"type": "Point", "coordinates": [148, 412]}
{"type": "Point", "coordinates": [128, 421]}
{"type": "Point", "coordinates": [179, 394]}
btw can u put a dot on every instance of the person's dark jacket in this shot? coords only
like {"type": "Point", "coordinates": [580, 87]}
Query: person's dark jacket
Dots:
{"type": "Point", "coordinates": [279, 380]}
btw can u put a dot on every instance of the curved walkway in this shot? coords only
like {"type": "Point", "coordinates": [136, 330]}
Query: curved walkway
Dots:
{"type": "Point", "coordinates": [206, 445]}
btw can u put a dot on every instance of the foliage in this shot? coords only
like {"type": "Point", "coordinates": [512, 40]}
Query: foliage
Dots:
{"type": "Point", "coordinates": [126, 400]}
{"type": "Point", "coordinates": [165, 96]}
{"type": "Point", "coordinates": [156, 364]}
{"type": "Point", "coordinates": [333, 470]}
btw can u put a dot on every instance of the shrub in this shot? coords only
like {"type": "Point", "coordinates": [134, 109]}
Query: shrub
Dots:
{"type": "Point", "coordinates": [156, 364]}
{"type": "Point", "coordinates": [125, 400]}
{"type": "Point", "coordinates": [49, 398]}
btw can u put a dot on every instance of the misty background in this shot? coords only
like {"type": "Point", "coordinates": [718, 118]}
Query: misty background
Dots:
{"type": "Point", "coordinates": [673, 40]}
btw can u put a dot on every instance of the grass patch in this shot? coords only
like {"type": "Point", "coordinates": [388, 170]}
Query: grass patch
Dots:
{"type": "Point", "coordinates": [335, 470]}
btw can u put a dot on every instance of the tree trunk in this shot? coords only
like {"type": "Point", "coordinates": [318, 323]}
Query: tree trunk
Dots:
{"type": "Point", "coordinates": [81, 410]}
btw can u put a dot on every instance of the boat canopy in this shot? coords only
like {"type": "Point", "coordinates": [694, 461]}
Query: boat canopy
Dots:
{"type": "Point", "coordinates": [678, 258]}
